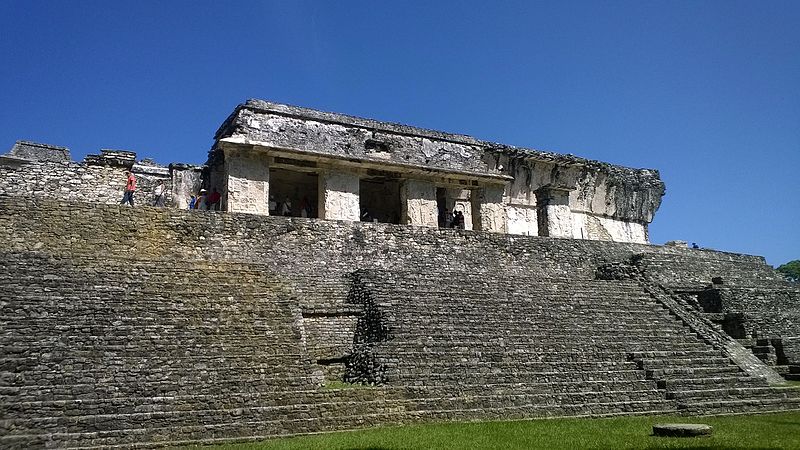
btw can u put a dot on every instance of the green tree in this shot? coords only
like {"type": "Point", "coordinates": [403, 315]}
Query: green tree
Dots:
{"type": "Point", "coordinates": [791, 270]}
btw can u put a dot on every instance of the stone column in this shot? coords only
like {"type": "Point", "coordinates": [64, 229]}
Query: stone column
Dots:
{"type": "Point", "coordinates": [418, 199]}
{"type": "Point", "coordinates": [488, 211]}
{"type": "Point", "coordinates": [339, 196]}
{"type": "Point", "coordinates": [554, 213]}
{"type": "Point", "coordinates": [247, 174]}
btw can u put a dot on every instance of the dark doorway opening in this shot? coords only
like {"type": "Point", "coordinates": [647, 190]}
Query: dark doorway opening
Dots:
{"type": "Point", "coordinates": [293, 193]}
{"type": "Point", "coordinates": [380, 200]}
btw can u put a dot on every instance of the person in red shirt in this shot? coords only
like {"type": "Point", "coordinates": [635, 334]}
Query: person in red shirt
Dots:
{"type": "Point", "coordinates": [130, 188]}
{"type": "Point", "coordinates": [213, 200]}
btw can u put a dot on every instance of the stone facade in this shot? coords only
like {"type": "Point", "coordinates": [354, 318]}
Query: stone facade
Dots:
{"type": "Point", "coordinates": [508, 189]}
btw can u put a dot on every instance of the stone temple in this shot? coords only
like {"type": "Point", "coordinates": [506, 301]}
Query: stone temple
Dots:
{"type": "Point", "coordinates": [329, 290]}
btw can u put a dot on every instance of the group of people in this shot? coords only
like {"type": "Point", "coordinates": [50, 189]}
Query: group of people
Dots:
{"type": "Point", "coordinates": [202, 200]}
{"type": "Point", "coordinates": [205, 201]}
{"type": "Point", "coordinates": [285, 208]}
{"type": "Point", "coordinates": [451, 219]}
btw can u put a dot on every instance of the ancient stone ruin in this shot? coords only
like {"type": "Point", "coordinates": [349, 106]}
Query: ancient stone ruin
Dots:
{"type": "Point", "coordinates": [359, 303]}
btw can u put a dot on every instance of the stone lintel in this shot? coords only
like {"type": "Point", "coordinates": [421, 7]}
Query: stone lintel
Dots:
{"type": "Point", "coordinates": [355, 164]}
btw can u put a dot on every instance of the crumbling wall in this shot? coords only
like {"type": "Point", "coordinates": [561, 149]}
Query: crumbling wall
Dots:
{"type": "Point", "coordinates": [762, 313]}
{"type": "Point", "coordinates": [39, 170]}
{"type": "Point", "coordinates": [606, 202]}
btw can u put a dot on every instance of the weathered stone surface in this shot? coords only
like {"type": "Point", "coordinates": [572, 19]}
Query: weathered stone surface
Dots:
{"type": "Point", "coordinates": [100, 178]}
{"type": "Point", "coordinates": [147, 325]}
{"type": "Point", "coordinates": [338, 196]}
{"type": "Point", "coordinates": [418, 199]}
{"type": "Point", "coordinates": [247, 182]}
{"type": "Point", "coordinates": [603, 202]}
{"type": "Point", "coordinates": [682, 429]}
{"type": "Point", "coordinates": [35, 151]}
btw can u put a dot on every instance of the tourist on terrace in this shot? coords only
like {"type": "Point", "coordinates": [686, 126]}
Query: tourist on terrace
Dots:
{"type": "Point", "coordinates": [160, 195]}
{"type": "Point", "coordinates": [202, 200]}
{"type": "Point", "coordinates": [286, 208]}
{"type": "Point", "coordinates": [458, 220]}
{"type": "Point", "coordinates": [305, 208]}
{"type": "Point", "coordinates": [192, 201]}
{"type": "Point", "coordinates": [213, 200]}
{"type": "Point", "coordinates": [130, 188]}
{"type": "Point", "coordinates": [273, 205]}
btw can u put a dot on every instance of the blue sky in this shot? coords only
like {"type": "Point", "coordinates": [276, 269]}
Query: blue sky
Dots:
{"type": "Point", "coordinates": [707, 92]}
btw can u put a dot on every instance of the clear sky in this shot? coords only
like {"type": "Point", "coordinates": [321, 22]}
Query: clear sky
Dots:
{"type": "Point", "coordinates": [708, 92]}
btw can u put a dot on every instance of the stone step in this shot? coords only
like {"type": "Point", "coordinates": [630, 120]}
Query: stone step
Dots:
{"type": "Point", "coordinates": [679, 373]}
{"type": "Point", "coordinates": [49, 411]}
{"type": "Point", "coordinates": [466, 386]}
{"type": "Point", "coordinates": [711, 382]}
{"type": "Point", "coordinates": [719, 394]}
{"type": "Point", "coordinates": [526, 344]}
{"type": "Point", "coordinates": [523, 375]}
{"type": "Point", "coordinates": [172, 383]}
{"type": "Point", "coordinates": [487, 354]}
{"type": "Point", "coordinates": [740, 406]}
{"type": "Point", "coordinates": [681, 354]}
{"type": "Point", "coordinates": [658, 363]}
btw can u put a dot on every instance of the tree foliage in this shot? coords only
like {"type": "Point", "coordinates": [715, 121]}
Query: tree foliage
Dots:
{"type": "Point", "coordinates": [791, 270]}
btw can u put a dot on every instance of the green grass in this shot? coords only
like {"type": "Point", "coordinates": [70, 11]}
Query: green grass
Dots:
{"type": "Point", "coordinates": [779, 431]}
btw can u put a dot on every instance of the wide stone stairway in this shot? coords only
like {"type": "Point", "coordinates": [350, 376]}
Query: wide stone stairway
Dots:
{"type": "Point", "coordinates": [111, 351]}
{"type": "Point", "coordinates": [107, 348]}
{"type": "Point", "coordinates": [491, 345]}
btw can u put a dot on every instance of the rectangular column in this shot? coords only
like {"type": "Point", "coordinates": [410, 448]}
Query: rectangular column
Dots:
{"type": "Point", "coordinates": [339, 196]}
{"type": "Point", "coordinates": [555, 215]}
{"type": "Point", "coordinates": [418, 200]}
{"type": "Point", "coordinates": [488, 210]}
{"type": "Point", "coordinates": [247, 175]}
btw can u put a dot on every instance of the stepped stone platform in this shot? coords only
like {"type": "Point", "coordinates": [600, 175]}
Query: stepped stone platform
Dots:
{"type": "Point", "coordinates": [134, 327]}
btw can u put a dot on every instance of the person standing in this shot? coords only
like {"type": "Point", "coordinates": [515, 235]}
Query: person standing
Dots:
{"type": "Point", "coordinates": [202, 200]}
{"type": "Point", "coordinates": [213, 200]}
{"type": "Point", "coordinates": [160, 195]}
{"type": "Point", "coordinates": [130, 188]}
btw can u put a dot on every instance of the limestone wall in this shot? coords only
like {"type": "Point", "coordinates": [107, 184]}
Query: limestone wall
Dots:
{"type": "Point", "coordinates": [338, 196]}
{"type": "Point", "coordinates": [307, 246]}
{"type": "Point", "coordinates": [32, 170]}
{"type": "Point", "coordinates": [247, 187]}
{"type": "Point", "coordinates": [605, 202]}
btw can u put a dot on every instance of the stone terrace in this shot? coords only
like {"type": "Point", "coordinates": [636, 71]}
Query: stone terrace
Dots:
{"type": "Point", "coordinates": [129, 326]}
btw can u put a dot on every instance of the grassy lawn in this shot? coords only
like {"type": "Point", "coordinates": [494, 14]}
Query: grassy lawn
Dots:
{"type": "Point", "coordinates": [780, 431]}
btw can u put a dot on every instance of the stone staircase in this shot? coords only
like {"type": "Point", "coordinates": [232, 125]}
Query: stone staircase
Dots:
{"type": "Point", "coordinates": [101, 352]}
{"type": "Point", "coordinates": [583, 347]}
